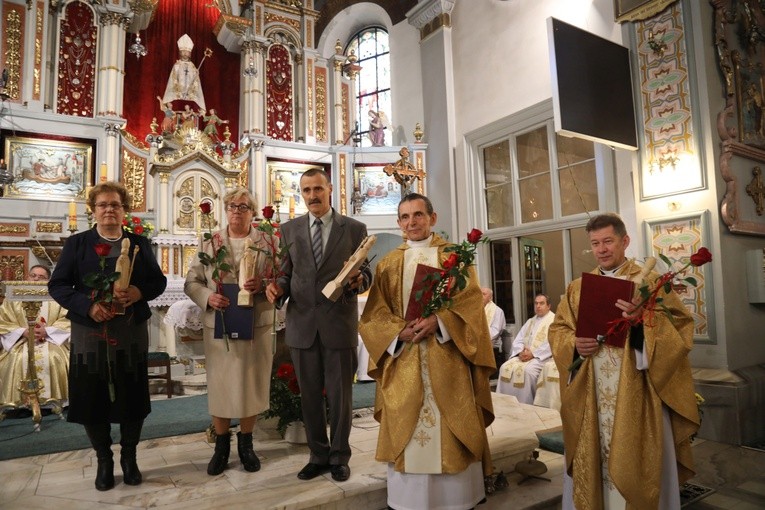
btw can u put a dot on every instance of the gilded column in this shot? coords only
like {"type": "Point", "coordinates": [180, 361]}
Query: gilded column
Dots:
{"type": "Point", "coordinates": [258, 174]}
{"type": "Point", "coordinates": [300, 98]}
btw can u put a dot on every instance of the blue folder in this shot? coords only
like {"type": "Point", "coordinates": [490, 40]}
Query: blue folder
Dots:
{"type": "Point", "coordinates": [237, 319]}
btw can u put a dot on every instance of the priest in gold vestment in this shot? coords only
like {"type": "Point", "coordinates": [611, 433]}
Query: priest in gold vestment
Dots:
{"type": "Point", "coordinates": [628, 413]}
{"type": "Point", "coordinates": [433, 398]}
{"type": "Point", "coordinates": [51, 346]}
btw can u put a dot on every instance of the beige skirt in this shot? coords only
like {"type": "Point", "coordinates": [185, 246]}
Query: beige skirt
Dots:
{"type": "Point", "coordinates": [238, 380]}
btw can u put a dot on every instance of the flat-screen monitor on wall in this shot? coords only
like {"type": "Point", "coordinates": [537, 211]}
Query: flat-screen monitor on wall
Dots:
{"type": "Point", "coordinates": [591, 86]}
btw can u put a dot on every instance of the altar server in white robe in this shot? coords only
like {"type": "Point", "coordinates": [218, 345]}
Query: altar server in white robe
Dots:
{"type": "Point", "coordinates": [495, 318]}
{"type": "Point", "coordinates": [518, 375]}
{"type": "Point", "coordinates": [51, 332]}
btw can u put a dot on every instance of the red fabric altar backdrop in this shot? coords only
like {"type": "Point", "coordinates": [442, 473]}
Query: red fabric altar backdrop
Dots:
{"type": "Point", "coordinates": [146, 78]}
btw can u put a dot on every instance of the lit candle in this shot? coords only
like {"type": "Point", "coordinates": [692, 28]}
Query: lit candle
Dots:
{"type": "Point", "coordinates": [72, 215]}
{"type": "Point", "coordinates": [102, 174]}
{"type": "Point", "coordinates": [292, 208]}
{"type": "Point", "coordinates": [278, 191]}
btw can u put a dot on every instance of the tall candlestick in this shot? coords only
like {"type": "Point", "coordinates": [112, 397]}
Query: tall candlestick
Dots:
{"type": "Point", "coordinates": [72, 216]}
{"type": "Point", "coordinates": [102, 173]}
{"type": "Point", "coordinates": [87, 194]}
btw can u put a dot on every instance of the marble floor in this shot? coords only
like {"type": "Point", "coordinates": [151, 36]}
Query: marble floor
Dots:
{"type": "Point", "coordinates": [175, 476]}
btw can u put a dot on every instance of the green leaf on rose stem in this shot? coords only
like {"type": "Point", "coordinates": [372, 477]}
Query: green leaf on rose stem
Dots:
{"type": "Point", "coordinates": [691, 280]}
{"type": "Point", "coordinates": [668, 287]}
{"type": "Point", "coordinates": [665, 260]}
{"type": "Point", "coordinates": [225, 267]}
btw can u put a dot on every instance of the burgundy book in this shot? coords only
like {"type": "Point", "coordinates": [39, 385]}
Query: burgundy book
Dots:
{"type": "Point", "coordinates": [416, 306]}
{"type": "Point", "coordinates": [597, 306]}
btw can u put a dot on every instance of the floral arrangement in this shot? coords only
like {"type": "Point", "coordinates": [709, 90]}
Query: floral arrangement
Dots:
{"type": "Point", "coordinates": [137, 225]}
{"type": "Point", "coordinates": [102, 284]}
{"type": "Point", "coordinates": [284, 398]}
{"type": "Point", "coordinates": [650, 299]}
{"type": "Point", "coordinates": [218, 258]}
{"type": "Point", "coordinates": [437, 292]}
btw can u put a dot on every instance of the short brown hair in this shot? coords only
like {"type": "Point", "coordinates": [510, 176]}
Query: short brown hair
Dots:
{"type": "Point", "coordinates": [605, 220]}
{"type": "Point", "coordinates": [239, 193]}
{"type": "Point", "coordinates": [109, 187]}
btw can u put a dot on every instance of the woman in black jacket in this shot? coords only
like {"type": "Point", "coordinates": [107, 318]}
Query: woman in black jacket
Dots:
{"type": "Point", "coordinates": [108, 372]}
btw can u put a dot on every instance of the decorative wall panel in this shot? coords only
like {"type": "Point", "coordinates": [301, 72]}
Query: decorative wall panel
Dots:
{"type": "Point", "coordinates": [12, 47]}
{"type": "Point", "coordinates": [279, 93]}
{"type": "Point", "coordinates": [677, 239]}
{"type": "Point", "coordinates": [670, 157]}
{"type": "Point", "coordinates": [76, 61]}
{"type": "Point", "coordinates": [321, 104]}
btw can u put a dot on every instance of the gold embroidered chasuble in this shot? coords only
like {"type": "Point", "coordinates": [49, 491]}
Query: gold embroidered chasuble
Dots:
{"type": "Point", "coordinates": [633, 457]}
{"type": "Point", "coordinates": [13, 362]}
{"type": "Point", "coordinates": [459, 370]}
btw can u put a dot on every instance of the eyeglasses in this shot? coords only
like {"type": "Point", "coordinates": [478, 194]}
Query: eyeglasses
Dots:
{"type": "Point", "coordinates": [242, 208]}
{"type": "Point", "coordinates": [109, 205]}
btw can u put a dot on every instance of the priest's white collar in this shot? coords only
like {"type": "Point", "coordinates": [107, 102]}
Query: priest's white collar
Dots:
{"type": "Point", "coordinates": [420, 244]}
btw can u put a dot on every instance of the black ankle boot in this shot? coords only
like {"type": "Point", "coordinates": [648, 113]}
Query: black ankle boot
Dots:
{"type": "Point", "coordinates": [247, 455]}
{"type": "Point", "coordinates": [131, 433]}
{"type": "Point", "coordinates": [101, 439]}
{"type": "Point", "coordinates": [131, 475]}
{"type": "Point", "coordinates": [219, 459]}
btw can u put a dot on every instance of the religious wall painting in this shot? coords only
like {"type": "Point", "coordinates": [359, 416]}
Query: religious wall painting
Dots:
{"type": "Point", "coordinates": [46, 168]}
{"type": "Point", "coordinates": [374, 191]}
{"type": "Point", "coordinates": [631, 10]}
{"type": "Point", "coordinates": [677, 238]}
{"type": "Point", "coordinates": [284, 188]}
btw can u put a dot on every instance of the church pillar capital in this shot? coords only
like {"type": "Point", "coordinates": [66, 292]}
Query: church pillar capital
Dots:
{"type": "Point", "coordinates": [430, 15]}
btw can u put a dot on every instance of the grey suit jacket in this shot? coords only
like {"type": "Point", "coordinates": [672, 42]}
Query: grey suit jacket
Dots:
{"type": "Point", "coordinates": [308, 311]}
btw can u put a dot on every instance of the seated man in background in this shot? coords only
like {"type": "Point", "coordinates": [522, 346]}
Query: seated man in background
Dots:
{"type": "Point", "coordinates": [51, 346]}
{"type": "Point", "coordinates": [495, 318]}
{"type": "Point", "coordinates": [518, 375]}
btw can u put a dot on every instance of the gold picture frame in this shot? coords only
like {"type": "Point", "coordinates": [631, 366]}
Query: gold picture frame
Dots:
{"type": "Point", "coordinates": [47, 168]}
{"type": "Point", "coordinates": [283, 187]}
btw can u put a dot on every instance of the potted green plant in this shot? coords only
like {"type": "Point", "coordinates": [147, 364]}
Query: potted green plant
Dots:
{"type": "Point", "coordinates": [285, 399]}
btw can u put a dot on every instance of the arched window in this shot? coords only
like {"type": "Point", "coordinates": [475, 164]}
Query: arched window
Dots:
{"type": "Point", "coordinates": [373, 83]}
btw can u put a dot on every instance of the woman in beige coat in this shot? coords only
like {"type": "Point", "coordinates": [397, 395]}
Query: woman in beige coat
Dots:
{"type": "Point", "coordinates": [238, 371]}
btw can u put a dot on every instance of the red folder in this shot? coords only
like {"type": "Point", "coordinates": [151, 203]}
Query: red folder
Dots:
{"type": "Point", "coordinates": [597, 306]}
{"type": "Point", "coordinates": [421, 282]}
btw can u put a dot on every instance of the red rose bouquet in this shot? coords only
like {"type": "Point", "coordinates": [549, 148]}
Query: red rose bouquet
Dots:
{"type": "Point", "coordinates": [273, 253]}
{"type": "Point", "coordinates": [453, 275]}
{"type": "Point", "coordinates": [216, 260]}
{"type": "Point", "coordinates": [102, 284]}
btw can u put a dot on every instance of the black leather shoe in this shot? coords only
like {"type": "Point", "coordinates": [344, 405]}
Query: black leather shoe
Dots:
{"type": "Point", "coordinates": [341, 472]}
{"type": "Point", "coordinates": [311, 471]}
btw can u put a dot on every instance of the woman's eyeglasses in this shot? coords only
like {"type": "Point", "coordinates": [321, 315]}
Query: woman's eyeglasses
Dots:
{"type": "Point", "coordinates": [109, 205]}
{"type": "Point", "coordinates": [242, 208]}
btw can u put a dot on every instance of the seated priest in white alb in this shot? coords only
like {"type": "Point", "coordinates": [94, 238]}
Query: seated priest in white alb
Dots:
{"type": "Point", "coordinates": [518, 375]}
{"type": "Point", "coordinates": [51, 332]}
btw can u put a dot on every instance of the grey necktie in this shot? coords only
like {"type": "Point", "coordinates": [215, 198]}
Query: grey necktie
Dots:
{"type": "Point", "coordinates": [316, 241]}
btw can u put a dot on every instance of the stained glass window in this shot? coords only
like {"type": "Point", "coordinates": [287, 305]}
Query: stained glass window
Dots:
{"type": "Point", "coordinates": [373, 82]}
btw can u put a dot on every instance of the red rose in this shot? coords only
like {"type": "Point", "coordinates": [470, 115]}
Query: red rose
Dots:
{"type": "Point", "coordinates": [293, 386]}
{"type": "Point", "coordinates": [474, 236]}
{"type": "Point", "coordinates": [701, 257]}
{"type": "Point", "coordinates": [103, 249]}
{"type": "Point", "coordinates": [138, 229]}
{"type": "Point", "coordinates": [205, 207]}
{"type": "Point", "coordinates": [451, 261]}
{"type": "Point", "coordinates": [268, 212]}
{"type": "Point", "coordinates": [124, 222]}
{"type": "Point", "coordinates": [136, 220]}
{"type": "Point", "coordinates": [285, 371]}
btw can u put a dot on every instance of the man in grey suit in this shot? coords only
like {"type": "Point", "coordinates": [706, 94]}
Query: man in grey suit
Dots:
{"type": "Point", "coordinates": [322, 335]}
